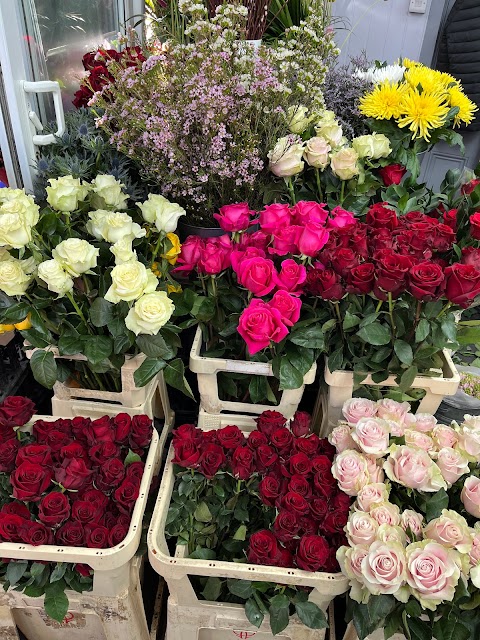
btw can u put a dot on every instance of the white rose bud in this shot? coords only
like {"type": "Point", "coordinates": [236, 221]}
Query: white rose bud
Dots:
{"type": "Point", "coordinates": [122, 250]}
{"type": "Point", "coordinates": [344, 163]}
{"type": "Point", "coordinates": [363, 145]}
{"type": "Point", "coordinates": [381, 146]}
{"type": "Point", "coordinates": [108, 194]}
{"type": "Point", "coordinates": [332, 132]}
{"type": "Point", "coordinates": [13, 278]}
{"type": "Point", "coordinates": [326, 117]}
{"type": "Point", "coordinates": [65, 193]}
{"type": "Point", "coordinates": [56, 279]}
{"type": "Point", "coordinates": [286, 158]}
{"type": "Point", "coordinates": [161, 212]}
{"type": "Point", "coordinates": [113, 226]}
{"type": "Point", "coordinates": [316, 153]}
{"type": "Point", "coordinates": [150, 313]}
{"type": "Point", "coordinates": [297, 119]}
{"type": "Point", "coordinates": [130, 281]}
{"type": "Point", "coordinates": [76, 256]}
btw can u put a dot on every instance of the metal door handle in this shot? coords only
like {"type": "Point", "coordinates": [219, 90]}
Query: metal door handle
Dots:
{"type": "Point", "coordinates": [48, 86]}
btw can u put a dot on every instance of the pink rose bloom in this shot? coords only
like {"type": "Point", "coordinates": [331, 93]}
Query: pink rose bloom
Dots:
{"type": "Point", "coordinates": [372, 436]}
{"type": "Point", "coordinates": [444, 437]}
{"type": "Point", "coordinates": [350, 561]}
{"type": "Point", "coordinates": [257, 239]}
{"type": "Point", "coordinates": [453, 464]}
{"type": "Point", "coordinates": [392, 410]}
{"type": "Point", "coordinates": [256, 275]}
{"type": "Point", "coordinates": [341, 438]}
{"type": "Point", "coordinates": [291, 276]}
{"type": "Point", "coordinates": [350, 470]}
{"type": "Point", "coordinates": [289, 307]}
{"type": "Point", "coordinates": [314, 237]}
{"type": "Point", "coordinates": [234, 217]}
{"type": "Point", "coordinates": [375, 471]}
{"type": "Point", "coordinates": [361, 528]}
{"type": "Point", "coordinates": [339, 218]}
{"type": "Point", "coordinates": [432, 572]}
{"type": "Point", "coordinates": [190, 254]}
{"type": "Point", "coordinates": [451, 530]}
{"type": "Point", "coordinates": [304, 212]}
{"type": "Point", "coordinates": [385, 513]}
{"type": "Point", "coordinates": [474, 557]}
{"type": "Point", "coordinates": [397, 429]}
{"type": "Point", "coordinates": [391, 533]}
{"type": "Point", "coordinates": [244, 253]}
{"type": "Point", "coordinates": [424, 422]}
{"type": "Point", "coordinates": [371, 494]}
{"type": "Point", "coordinates": [413, 468]}
{"type": "Point", "coordinates": [357, 408]}
{"type": "Point", "coordinates": [470, 496]}
{"type": "Point", "coordinates": [215, 255]}
{"type": "Point", "coordinates": [274, 217]}
{"type": "Point", "coordinates": [384, 568]}
{"type": "Point", "coordinates": [286, 240]}
{"type": "Point", "coordinates": [469, 442]}
{"type": "Point", "coordinates": [411, 521]}
{"type": "Point", "coordinates": [419, 439]}
{"type": "Point", "coordinates": [259, 325]}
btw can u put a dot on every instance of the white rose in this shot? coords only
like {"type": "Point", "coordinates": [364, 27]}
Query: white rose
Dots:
{"type": "Point", "coordinates": [13, 278]}
{"type": "Point", "coordinates": [326, 117]}
{"type": "Point", "coordinates": [14, 231]}
{"type": "Point", "coordinates": [130, 281]}
{"type": "Point", "coordinates": [286, 158]}
{"type": "Point", "coordinates": [297, 119]}
{"type": "Point", "coordinates": [363, 145]}
{"type": "Point", "coordinates": [113, 226]}
{"type": "Point", "coordinates": [150, 313]}
{"type": "Point", "coordinates": [316, 152]}
{"type": "Point", "coordinates": [161, 212]}
{"type": "Point", "coordinates": [16, 201]}
{"type": "Point", "coordinates": [381, 146]}
{"type": "Point", "coordinates": [107, 193]}
{"type": "Point", "coordinates": [122, 250]}
{"type": "Point", "coordinates": [332, 132]}
{"type": "Point", "coordinates": [56, 279]}
{"type": "Point", "coordinates": [344, 163]}
{"type": "Point", "coordinates": [76, 256]}
{"type": "Point", "coordinates": [65, 193]}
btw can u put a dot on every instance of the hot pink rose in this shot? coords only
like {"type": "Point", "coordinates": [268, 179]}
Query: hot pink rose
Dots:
{"type": "Point", "coordinates": [257, 275]}
{"type": "Point", "coordinates": [372, 436]}
{"type": "Point", "coordinates": [275, 217]}
{"type": "Point", "coordinates": [470, 496]}
{"type": "Point", "coordinates": [371, 494]}
{"type": "Point", "coordinates": [341, 438]}
{"type": "Point", "coordinates": [350, 469]}
{"type": "Point", "coordinates": [357, 408]}
{"type": "Point", "coordinates": [234, 217]}
{"type": "Point", "coordinates": [453, 464]}
{"type": "Point", "coordinates": [246, 252]}
{"type": "Point", "coordinates": [289, 307]}
{"type": "Point", "coordinates": [432, 572]}
{"type": "Point", "coordinates": [361, 528]}
{"type": "Point", "coordinates": [286, 240]}
{"type": "Point", "coordinates": [413, 468]}
{"type": "Point", "coordinates": [291, 276]}
{"type": "Point", "coordinates": [339, 218]}
{"type": "Point", "coordinates": [384, 568]}
{"type": "Point", "coordinates": [190, 254]}
{"type": "Point", "coordinates": [304, 212]}
{"type": "Point", "coordinates": [258, 239]}
{"type": "Point", "coordinates": [313, 238]}
{"type": "Point", "coordinates": [215, 256]}
{"type": "Point", "coordinates": [259, 325]}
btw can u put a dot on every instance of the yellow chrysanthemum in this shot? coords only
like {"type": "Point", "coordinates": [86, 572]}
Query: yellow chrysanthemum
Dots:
{"type": "Point", "coordinates": [384, 101]}
{"type": "Point", "coordinates": [467, 107]}
{"type": "Point", "coordinates": [448, 79]}
{"type": "Point", "coordinates": [406, 62]}
{"type": "Point", "coordinates": [422, 112]}
{"type": "Point", "coordinates": [429, 79]}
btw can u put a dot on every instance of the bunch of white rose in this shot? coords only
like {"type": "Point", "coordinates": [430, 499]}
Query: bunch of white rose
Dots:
{"type": "Point", "coordinates": [18, 215]}
{"type": "Point", "coordinates": [66, 193]}
{"type": "Point", "coordinates": [394, 550]}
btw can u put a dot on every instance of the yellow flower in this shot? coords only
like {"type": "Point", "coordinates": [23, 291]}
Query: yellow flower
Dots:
{"type": "Point", "coordinates": [173, 253]}
{"type": "Point", "coordinates": [428, 79]}
{"type": "Point", "coordinates": [422, 112]}
{"type": "Point", "coordinates": [156, 270]}
{"type": "Point", "coordinates": [466, 106]}
{"type": "Point", "coordinates": [406, 62]}
{"type": "Point", "coordinates": [24, 325]}
{"type": "Point", "coordinates": [4, 328]}
{"type": "Point", "coordinates": [174, 288]}
{"type": "Point", "coordinates": [384, 101]}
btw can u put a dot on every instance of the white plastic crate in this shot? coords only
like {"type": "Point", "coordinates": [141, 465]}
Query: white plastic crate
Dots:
{"type": "Point", "coordinates": [351, 634]}
{"type": "Point", "coordinates": [113, 610]}
{"type": "Point", "coordinates": [208, 368]}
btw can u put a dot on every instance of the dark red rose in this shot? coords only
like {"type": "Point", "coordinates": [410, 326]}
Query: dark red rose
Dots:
{"type": "Point", "coordinates": [344, 261]}
{"type": "Point", "coordinates": [282, 440]}
{"type": "Point", "coordinates": [17, 410]}
{"type": "Point", "coordinates": [443, 237]}
{"type": "Point", "coordinates": [300, 424]}
{"type": "Point", "coordinates": [100, 430]}
{"type": "Point", "coordinates": [104, 451]}
{"type": "Point", "coordinates": [40, 430]}
{"type": "Point", "coordinates": [471, 256]}
{"type": "Point", "coordinates": [85, 512]}
{"type": "Point", "coordinates": [187, 453]}
{"type": "Point", "coordinates": [54, 508]}
{"type": "Point", "coordinates": [73, 450]}
{"type": "Point", "coordinates": [308, 446]}
{"type": "Point", "coordinates": [450, 218]}
{"type": "Point", "coordinates": [82, 97]}
{"type": "Point", "coordinates": [83, 569]}
{"type": "Point", "coordinates": [475, 225]}
{"type": "Point", "coordinates": [141, 433]}
{"type": "Point", "coordinates": [16, 508]}
{"type": "Point", "coordinates": [295, 503]}
{"type": "Point", "coordinates": [331, 565]}
{"type": "Point", "coordinates": [135, 470]}
{"type": "Point", "coordinates": [126, 495]}
{"type": "Point", "coordinates": [262, 548]}
{"type": "Point", "coordinates": [187, 432]}
{"type": "Point", "coordinates": [324, 483]}
{"type": "Point", "coordinates": [358, 239]}
{"type": "Point", "coordinates": [36, 533]}
{"type": "Point", "coordinates": [326, 449]}
{"type": "Point", "coordinates": [462, 284]}
{"type": "Point", "coordinates": [243, 462]}
{"type": "Point", "coordinates": [341, 502]}
{"type": "Point", "coordinates": [212, 459]}
{"type": "Point", "coordinates": [96, 536]}
{"type": "Point", "coordinates": [468, 187]}
{"type": "Point", "coordinates": [10, 527]}
{"type": "Point", "coordinates": [266, 457]}
{"type": "Point", "coordinates": [79, 427]}
{"type": "Point", "coordinates": [424, 281]}
{"type": "Point", "coordinates": [286, 525]}
{"type": "Point", "coordinates": [99, 77]}
{"type": "Point", "coordinates": [283, 559]}
{"type": "Point", "coordinates": [73, 474]}
{"type": "Point", "coordinates": [36, 453]}
{"type": "Point", "coordinates": [124, 518]}
{"type": "Point", "coordinates": [392, 174]}
{"type": "Point", "coordinates": [321, 463]}
{"type": "Point", "coordinates": [382, 216]}
{"type": "Point", "coordinates": [300, 463]}
{"type": "Point", "coordinates": [110, 475]}
{"type": "Point", "coordinates": [269, 490]}
{"type": "Point", "coordinates": [62, 424]}
{"type": "Point", "coordinates": [392, 269]}
{"type": "Point", "coordinates": [109, 519]}
{"type": "Point", "coordinates": [117, 534]}
{"type": "Point", "coordinates": [299, 484]}
{"type": "Point", "coordinates": [96, 497]}
{"type": "Point", "coordinates": [381, 239]}
{"type": "Point", "coordinates": [360, 279]}
{"type": "Point", "coordinates": [71, 534]}
{"type": "Point", "coordinates": [312, 553]}
{"type": "Point", "coordinates": [308, 526]}
{"type": "Point", "coordinates": [325, 283]}
{"type": "Point", "coordinates": [29, 481]}
{"type": "Point", "coordinates": [319, 508]}
{"type": "Point", "coordinates": [268, 421]}
{"type": "Point", "coordinates": [56, 440]}
{"type": "Point", "coordinates": [230, 437]}
{"type": "Point", "coordinates": [8, 455]}
{"type": "Point", "coordinates": [334, 522]}
{"type": "Point", "coordinates": [122, 424]}
{"type": "Point", "coordinates": [255, 439]}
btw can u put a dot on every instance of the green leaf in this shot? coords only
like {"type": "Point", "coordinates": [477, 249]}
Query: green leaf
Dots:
{"type": "Point", "coordinates": [212, 589]}
{"type": "Point", "coordinates": [148, 370]}
{"type": "Point", "coordinates": [203, 513]}
{"type": "Point", "coordinates": [407, 378]}
{"type": "Point", "coordinates": [450, 629]}
{"type": "Point", "coordinates": [34, 591]}
{"type": "Point", "coordinates": [131, 457]}
{"type": "Point", "coordinates": [290, 377]}
{"type": "Point", "coordinates": [203, 309]}
{"type": "Point", "coordinates": [435, 504]}
{"type": "Point", "coordinates": [203, 554]}
{"type": "Point", "coordinates": [44, 368]}
{"type": "Point", "coordinates": [101, 312]}
{"type": "Point", "coordinates": [376, 333]}
{"type": "Point", "coordinates": [422, 330]}
{"type": "Point", "coordinates": [311, 615]}
{"type": "Point", "coordinates": [97, 348]}
{"type": "Point", "coordinates": [155, 347]}
{"type": "Point", "coordinates": [240, 588]}
{"type": "Point", "coordinates": [253, 613]}
{"type": "Point", "coordinates": [58, 571]}
{"type": "Point", "coordinates": [70, 345]}
{"type": "Point", "coordinates": [175, 376]}
{"type": "Point", "coordinates": [257, 389]}
{"type": "Point", "coordinates": [449, 328]}
{"type": "Point", "coordinates": [335, 360]}
{"type": "Point", "coordinates": [240, 533]}
{"type": "Point", "coordinates": [419, 629]}
{"type": "Point", "coordinates": [56, 601]}
{"type": "Point", "coordinates": [15, 571]}
{"type": "Point", "coordinates": [369, 319]}
{"type": "Point", "coordinates": [279, 613]}
{"type": "Point", "coordinates": [350, 321]}
{"type": "Point", "coordinates": [311, 337]}
{"type": "Point", "coordinates": [404, 351]}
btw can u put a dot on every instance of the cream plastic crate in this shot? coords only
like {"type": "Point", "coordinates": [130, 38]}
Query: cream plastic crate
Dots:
{"type": "Point", "coordinates": [192, 619]}
{"type": "Point", "coordinates": [113, 610]}
{"type": "Point", "coordinates": [340, 389]}
{"type": "Point", "coordinates": [208, 368]}
{"type": "Point", "coordinates": [351, 634]}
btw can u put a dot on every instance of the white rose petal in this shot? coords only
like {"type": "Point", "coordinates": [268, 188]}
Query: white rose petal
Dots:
{"type": "Point", "coordinates": [56, 279]}
{"type": "Point", "coordinates": [161, 212]}
{"type": "Point", "coordinates": [130, 281]}
{"type": "Point", "coordinates": [107, 193]}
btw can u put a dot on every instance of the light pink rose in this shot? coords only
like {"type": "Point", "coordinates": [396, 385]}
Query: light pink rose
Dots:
{"type": "Point", "coordinates": [470, 496]}
{"type": "Point", "coordinates": [341, 438]}
{"type": "Point", "coordinates": [419, 439]}
{"type": "Point", "coordinates": [412, 522]}
{"type": "Point", "coordinates": [444, 437]}
{"type": "Point", "coordinates": [469, 441]}
{"type": "Point", "coordinates": [451, 530]}
{"type": "Point", "coordinates": [424, 422]}
{"type": "Point", "coordinates": [453, 464]}
{"type": "Point", "coordinates": [375, 470]}
{"type": "Point", "coordinates": [371, 494]}
{"type": "Point", "coordinates": [413, 468]}
{"type": "Point", "coordinates": [474, 557]}
{"type": "Point", "coordinates": [385, 513]}
{"type": "Point", "coordinates": [472, 422]}
{"type": "Point", "coordinates": [350, 469]}
{"type": "Point", "coordinates": [357, 408]}
{"type": "Point", "coordinates": [432, 572]}
{"type": "Point", "coordinates": [372, 435]}
{"type": "Point", "coordinates": [361, 528]}
{"type": "Point", "coordinates": [392, 410]}
{"type": "Point", "coordinates": [397, 429]}
{"type": "Point", "coordinates": [350, 561]}
{"type": "Point", "coordinates": [391, 533]}
{"type": "Point", "coordinates": [384, 568]}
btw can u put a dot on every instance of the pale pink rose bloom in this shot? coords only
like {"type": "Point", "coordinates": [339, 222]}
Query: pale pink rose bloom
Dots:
{"type": "Point", "coordinates": [451, 530]}
{"type": "Point", "coordinates": [453, 464]}
{"type": "Point", "coordinates": [444, 437]}
{"type": "Point", "coordinates": [419, 439]}
{"type": "Point", "coordinates": [341, 438]}
{"type": "Point", "coordinates": [372, 436]}
{"type": "Point", "coordinates": [469, 442]}
{"type": "Point", "coordinates": [358, 408]}
{"type": "Point", "coordinates": [432, 572]}
{"type": "Point", "coordinates": [384, 568]}
{"type": "Point", "coordinates": [385, 513]}
{"type": "Point", "coordinates": [361, 528]}
{"type": "Point", "coordinates": [392, 410]}
{"type": "Point", "coordinates": [350, 561]}
{"type": "Point", "coordinates": [424, 422]}
{"type": "Point", "coordinates": [350, 469]}
{"type": "Point", "coordinates": [411, 521]}
{"type": "Point", "coordinates": [471, 421]}
{"type": "Point", "coordinates": [413, 468]}
{"type": "Point", "coordinates": [397, 428]}
{"type": "Point", "coordinates": [371, 494]}
{"type": "Point", "coordinates": [474, 557]}
{"type": "Point", "coordinates": [391, 533]}
{"type": "Point", "coordinates": [375, 471]}
{"type": "Point", "coordinates": [470, 495]}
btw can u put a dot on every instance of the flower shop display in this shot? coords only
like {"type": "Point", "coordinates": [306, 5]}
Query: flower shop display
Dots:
{"type": "Point", "coordinates": [72, 498]}
{"type": "Point", "coordinates": [266, 498]}
{"type": "Point", "coordinates": [413, 532]}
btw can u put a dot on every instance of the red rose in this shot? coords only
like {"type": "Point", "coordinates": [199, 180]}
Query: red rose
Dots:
{"type": "Point", "coordinates": [243, 462]}
{"type": "Point", "coordinates": [266, 457]}
{"type": "Point", "coordinates": [262, 548]}
{"type": "Point", "coordinates": [341, 502]}
{"type": "Point", "coordinates": [392, 174]}
{"type": "Point", "coordinates": [269, 490]}
{"type": "Point", "coordinates": [212, 458]}
{"type": "Point", "coordinates": [85, 512]}
{"type": "Point", "coordinates": [104, 451]}
{"type": "Point", "coordinates": [187, 453]}
{"type": "Point", "coordinates": [308, 526]}
{"type": "Point", "coordinates": [382, 216]}
{"type": "Point", "coordinates": [187, 432]}
{"type": "Point", "coordinates": [83, 569]}
{"type": "Point", "coordinates": [282, 440]}
{"type": "Point", "coordinates": [82, 97]}
{"type": "Point", "coordinates": [71, 534]}
{"type": "Point", "coordinates": [358, 239]}
{"type": "Point", "coordinates": [326, 449]}
{"type": "Point", "coordinates": [443, 237]}
{"type": "Point", "coordinates": [450, 218]}
{"type": "Point", "coordinates": [286, 526]}
{"type": "Point", "coordinates": [468, 187]}
{"type": "Point", "coordinates": [312, 553]}
{"type": "Point", "coordinates": [54, 508]}
{"type": "Point", "coordinates": [475, 225]}
{"type": "Point", "coordinates": [344, 261]}
{"type": "Point", "coordinates": [16, 508]}
{"type": "Point", "coordinates": [124, 518]}
{"type": "Point", "coordinates": [96, 497]}
{"type": "Point", "coordinates": [17, 410]}
{"type": "Point", "coordinates": [10, 527]}
{"type": "Point", "coordinates": [268, 421]}
{"type": "Point", "coordinates": [96, 536]}
{"type": "Point", "coordinates": [73, 474]}
{"type": "Point", "coordinates": [309, 445]}
{"type": "Point", "coordinates": [35, 453]}
{"type": "Point", "coordinates": [73, 450]}
{"type": "Point", "coordinates": [299, 484]}
{"type": "Point", "coordinates": [109, 519]}
{"type": "Point", "coordinates": [325, 283]}
{"type": "Point", "coordinates": [391, 274]}
{"type": "Point", "coordinates": [284, 558]}
{"type": "Point", "coordinates": [135, 470]}
{"type": "Point", "coordinates": [324, 482]}
{"type": "Point", "coordinates": [331, 565]}
{"type": "Point", "coordinates": [40, 430]}
{"type": "Point", "coordinates": [295, 503]}
{"type": "Point", "coordinates": [29, 481]}
{"type": "Point", "coordinates": [255, 439]}
{"type": "Point", "coordinates": [99, 77]}
{"type": "Point", "coordinates": [79, 427]}
{"type": "Point", "coordinates": [117, 534]}
{"type": "Point", "coordinates": [8, 455]}
{"type": "Point", "coordinates": [319, 508]}
{"type": "Point", "coordinates": [300, 424]}
{"type": "Point", "coordinates": [141, 433]}
{"type": "Point", "coordinates": [56, 440]}
{"type": "Point", "coordinates": [334, 522]}
{"type": "Point", "coordinates": [321, 462]}
{"type": "Point", "coordinates": [36, 533]}
{"type": "Point", "coordinates": [122, 423]}
{"type": "Point", "coordinates": [100, 430]}
{"type": "Point", "coordinates": [300, 463]}
{"type": "Point", "coordinates": [230, 437]}
{"type": "Point", "coordinates": [424, 280]}
{"type": "Point", "coordinates": [110, 475]}
{"type": "Point", "coordinates": [126, 495]}
{"type": "Point", "coordinates": [361, 278]}
{"type": "Point", "coordinates": [462, 284]}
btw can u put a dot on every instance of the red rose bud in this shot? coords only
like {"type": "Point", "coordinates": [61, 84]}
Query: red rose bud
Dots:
{"type": "Point", "coordinates": [96, 536]}
{"type": "Point", "coordinates": [126, 495]}
{"type": "Point", "coordinates": [470, 186]}
{"type": "Point", "coordinates": [300, 424]}
{"type": "Point", "coordinates": [96, 497]}
{"type": "Point", "coordinates": [36, 533]}
{"type": "Point", "coordinates": [296, 503]}
{"type": "Point", "coordinates": [331, 565]}
{"type": "Point", "coordinates": [308, 526]}
{"type": "Point", "coordinates": [268, 421]}
{"type": "Point", "coordinates": [17, 410]}
{"type": "Point", "coordinates": [266, 457]}
{"type": "Point", "coordinates": [102, 452]}
{"type": "Point", "coordinates": [8, 454]}
{"type": "Point", "coordinates": [110, 475]}
{"type": "Point", "coordinates": [29, 481]}
{"type": "Point", "coordinates": [424, 280]}
{"type": "Point", "coordinates": [269, 490]}
{"type": "Point", "coordinates": [100, 430]}
{"type": "Point", "coordinates": [326, 449]}
{"type": "Point", "coordinates": [344, 261]}
{"type": "Point", "coordinates": [450, 218]}
{"type": "Point", "coordinates": [382, 216]}
{"type": "Point", "coordinates": [187, 453]}
{"type": "Point", "coordinates": [312, 554]}
{"type": "Point", "coordinates": [360, 280]}
{"type": "Point", "coordinates": [262, 548]}
{"type": "Point", "coordinates": [73, 450]}
{"type": "Point", "coordinates": [326, 284]}
{"type": "Point", "coordinates": [341, 502]}
{"type": "Point", "coordinates": [73, 474]}
{"type": "Point", "coordinates": [286, 526]}
{"type": "Point", "coordinates": [83, 569]}
{"type": "Point", "coordinates": [243, 461]}
{"type": "Point", "coordinates": [230, 437]}
{"type": "Point", "coordinates": [321, 463]}
{"type": "Point", "coordinates": [122, 424]}
{"type": "Point", "coordinates": [284, 558]}
{"type": "Point", "coordinates": [282, 440]}
{"type": "Point", "coordinates": [85, 512]}
{"type": "Point", "coordinates": [79, 428]}
{"type": "Point", "coordinates": [255, 439]}
{"type": "Point", "coordinates": [300, 463]}
{"type": "Point", "coordinates": [109, 519]}
{"type": "Point", "coordinates": [54, 508]}
{"type": "Point", "coordinates": [212, 458]}
{"type": "Point", "coordinates": [475, 225]}
{"type": "Point", "coordinates": [117, 534]}
{"type": "Point", "coordinates": [308, 446]}
{"type": "Point", "coordinates": [71, 534]}
{"type": "Point", "coordinates": [392, 174]}
{"type": "Point", "coordinates": [462, 284]}
{"type": "Point", "coordinates": [10, 527]}
{"type": "Point", "coordinates": [16, 508]}
{"type": "Point", "coordinates": [299, 484]}
{"type": "Point", "coordinates": [324, 483]}
{"type": "Point", "coordinates": [141, 432]}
